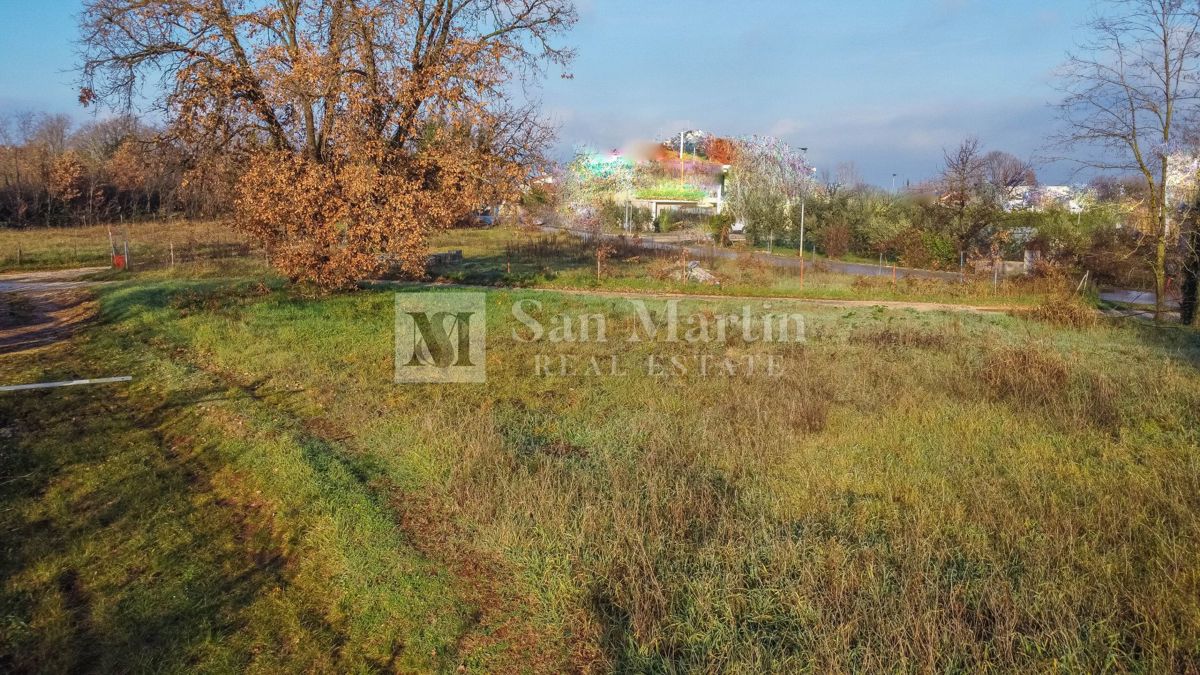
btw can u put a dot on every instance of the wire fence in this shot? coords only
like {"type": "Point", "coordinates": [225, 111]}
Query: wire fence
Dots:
{"type": "Point", "coordinates": [146, 247]}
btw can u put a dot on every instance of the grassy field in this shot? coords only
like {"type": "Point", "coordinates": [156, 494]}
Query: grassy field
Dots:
{"type": "Point", "coordinates": [915, 491]}
{"type": "Point", "coordinates": [514, 257]}
{"type": "Point", "coordinates": [150, 244]}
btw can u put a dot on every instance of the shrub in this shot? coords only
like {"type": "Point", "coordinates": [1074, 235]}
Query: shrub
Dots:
{"type": "Point", "coordinates": [1065, 312]}
{"type": "Point", "coordinates": [835, 240]}
{"type": "Point", "coordinates": [927, 249]}
{"type": "Point", "coordinates": [663, 223]}
{"type": "Point", "coordinates": [719, 225]}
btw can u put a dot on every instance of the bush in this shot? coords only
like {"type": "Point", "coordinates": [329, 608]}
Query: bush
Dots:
{"type": "Point", "coordinates": [835, 240]}
{"type": "Point", "coordinates": [720, 225]}
{"type": "Point", "coordinates": [925, 249]}
{"type": "Point", "coordinates": [663, 223]}
{"type": "Point", "coordinates": [1065, 312]}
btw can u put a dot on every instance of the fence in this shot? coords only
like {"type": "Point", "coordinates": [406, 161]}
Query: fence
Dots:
{"type": "Point", "coordinates": [150, 245]}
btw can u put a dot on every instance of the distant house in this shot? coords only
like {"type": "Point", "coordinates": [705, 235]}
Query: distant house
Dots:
{"type": "Point", "coordinates": [1042, 197]}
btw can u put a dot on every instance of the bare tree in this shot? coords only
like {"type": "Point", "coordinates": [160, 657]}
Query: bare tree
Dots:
{"type": "Point", "coordinates": [1005, 173]}
{"type": "Point", "coordinates": [962, 181]}
{"type": "Point", "coordinates": [1128, 93]}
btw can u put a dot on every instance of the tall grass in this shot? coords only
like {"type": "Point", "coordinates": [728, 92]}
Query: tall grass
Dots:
{"type": "Point", "coordinates": [915, 492]}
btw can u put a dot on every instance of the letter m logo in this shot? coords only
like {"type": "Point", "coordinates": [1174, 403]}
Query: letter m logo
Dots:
{"type": "Point", "coordinates": [440, 337]}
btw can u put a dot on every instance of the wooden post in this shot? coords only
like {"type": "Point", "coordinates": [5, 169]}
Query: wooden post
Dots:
{"type": "Point", "coordinates": [128, 263]}
{"type": "Point", "coordinates": [802, 269]}
{"type": "Point", "coordinates": [18, 256]}
{"type": "Point", "coordinates": [172, 246]}
{"type": "Point", "coordinates": [894, 279]}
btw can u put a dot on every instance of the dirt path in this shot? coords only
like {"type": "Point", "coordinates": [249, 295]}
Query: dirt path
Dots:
{"type": "Point", "coordinates": [887, 304]}
{"type": "Point", "coordinates": [41, 308]}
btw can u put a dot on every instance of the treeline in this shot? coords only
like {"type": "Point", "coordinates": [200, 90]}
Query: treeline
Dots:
{"type": "Point", "coordinates": [56, 172]}
{"type": "Point", "coordinates": [983, 207]}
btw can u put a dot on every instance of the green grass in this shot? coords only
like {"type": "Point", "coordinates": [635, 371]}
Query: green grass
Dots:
{"type": "Point", "coordinates": [792, 251]}
{"type": "Point", "coordinates": [671, 190]}
{"type": "Point", "coordinates": [504, 257]}
{"type": "Point", "coordinates": [917, 491]}
{"type": "Point", "coordinates": [151, 244]}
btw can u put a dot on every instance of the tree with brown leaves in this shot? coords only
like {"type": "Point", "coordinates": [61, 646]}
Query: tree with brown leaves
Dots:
{"type": "Point", "coordinates": [364, 124]}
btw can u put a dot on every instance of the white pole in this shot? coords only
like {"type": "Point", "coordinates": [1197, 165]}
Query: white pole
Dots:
{"type": "Point", "coordinates": [65, 383]}
{"type": "Point", "coordinates": [803, 199]}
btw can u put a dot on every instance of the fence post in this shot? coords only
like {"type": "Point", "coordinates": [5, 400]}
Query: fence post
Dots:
{"type": "Point", "coordinates": [172, 246]}
{"type": "Point", "coordinates": [128, 262]}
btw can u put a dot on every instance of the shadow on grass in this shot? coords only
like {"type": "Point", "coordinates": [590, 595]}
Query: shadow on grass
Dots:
{"type": "Point", "coordinates": [520, 270]}
{"type": "Point", "coordinates": [1179, 343]}
{"type": "Point", "coordinates": [114, 562]}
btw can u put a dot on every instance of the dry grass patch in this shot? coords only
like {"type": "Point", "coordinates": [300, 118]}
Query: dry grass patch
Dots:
{"type": "Point", "coordinates": [901, 338]}
{"type": "Point", "coordinates": [1064, 313]}
{"type": "Point", "coordinates": [1026, 375]}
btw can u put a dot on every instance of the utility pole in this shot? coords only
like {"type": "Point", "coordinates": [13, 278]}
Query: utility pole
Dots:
{"type": "Point", "coordinates": [893, 184]}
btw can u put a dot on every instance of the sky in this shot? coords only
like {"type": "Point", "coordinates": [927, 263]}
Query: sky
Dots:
{"type": "Point", "coordinates": [887, 86]}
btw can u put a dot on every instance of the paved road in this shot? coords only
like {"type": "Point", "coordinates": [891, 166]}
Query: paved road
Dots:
{"type": "Point", "coordinates": [1131, 297]}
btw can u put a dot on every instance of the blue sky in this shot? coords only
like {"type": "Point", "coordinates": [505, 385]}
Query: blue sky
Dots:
{"type": "Point", "coordinates": [886, 85]}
